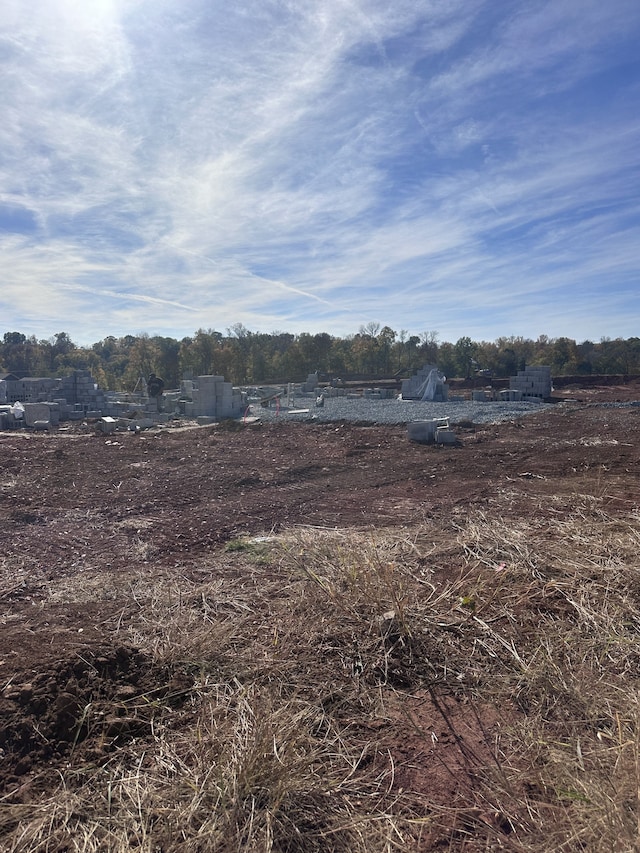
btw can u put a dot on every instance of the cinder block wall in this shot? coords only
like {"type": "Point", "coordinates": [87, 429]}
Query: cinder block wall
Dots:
{"type": "Point", "coordinates": [533, 382]}
{"type": "Point", "coordinates": [215, 398]}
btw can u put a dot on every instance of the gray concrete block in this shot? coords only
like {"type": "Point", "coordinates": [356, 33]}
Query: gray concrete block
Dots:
{"type": "Point", "coordinates": [36, 413]}
{"type": "Point", "coordinates": [421, 431]}
{"type": "Point", "coordinates": [425, 431]}
{"type": "Point", "coordinates": [446, 436]}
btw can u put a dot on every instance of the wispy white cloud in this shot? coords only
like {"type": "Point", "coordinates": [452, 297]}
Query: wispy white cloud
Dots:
{"type": "Point", "coordinates": [166, 166]}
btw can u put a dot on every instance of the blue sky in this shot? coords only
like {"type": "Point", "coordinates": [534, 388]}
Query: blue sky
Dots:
{"type": "Point", "coordinates": [465, 166]}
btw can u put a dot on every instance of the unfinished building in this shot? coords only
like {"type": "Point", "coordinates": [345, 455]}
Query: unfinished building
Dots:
{"type": "Point", "coordinates": [40, 403]}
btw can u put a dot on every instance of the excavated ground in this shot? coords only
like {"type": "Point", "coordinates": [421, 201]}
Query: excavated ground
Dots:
{"type": "Point", "coordinates": [83, 511]}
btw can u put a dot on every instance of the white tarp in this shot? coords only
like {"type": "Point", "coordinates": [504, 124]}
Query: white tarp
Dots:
{"type": "Point", "coordinates": [434, 379]}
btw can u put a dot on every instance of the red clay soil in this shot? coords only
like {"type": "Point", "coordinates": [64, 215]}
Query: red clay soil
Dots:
{"type": "Point", "coordinates": [74, 504]}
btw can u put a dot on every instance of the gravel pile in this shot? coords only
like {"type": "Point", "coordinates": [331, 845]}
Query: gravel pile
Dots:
{"type": "Point", "coordinates": [361, 410]}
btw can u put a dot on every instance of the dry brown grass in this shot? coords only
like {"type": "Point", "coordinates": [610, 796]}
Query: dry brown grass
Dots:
{"type": "Point", "coordinates": [288, 652]}
{"type": "Point", "coordinates": [249, 773]}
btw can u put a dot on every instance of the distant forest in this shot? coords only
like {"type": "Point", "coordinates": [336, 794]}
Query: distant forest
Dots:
{"type": "Point", "coordinates": [252, 358]}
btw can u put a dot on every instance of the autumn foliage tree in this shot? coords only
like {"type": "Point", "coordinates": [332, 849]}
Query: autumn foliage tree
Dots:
{"type": "Point", "coordinates": [246, 357]}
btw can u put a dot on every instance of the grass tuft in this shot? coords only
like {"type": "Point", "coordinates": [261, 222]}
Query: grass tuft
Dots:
{"type": "Point", "coordinates": [467, 688]}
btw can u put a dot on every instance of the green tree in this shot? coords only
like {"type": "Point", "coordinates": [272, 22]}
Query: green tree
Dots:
{"type": "Point", "coordinates": [13, 338]}
{"type": "Point", "coordinates": [168, 361]}
{"type": "Point", "coordinates": [364, 350]}
{"type": "Point", "coordinates": [19, 354]}
{"type": "Point", "coordinates": [617, 356]}
{"type": "Point", "coordinates": [487, 356]}
{"type": "Point", "coordinates": [447, 359]}
{"type": "Point", "coordinates": [385, 339]}
{"type": "Point", "coordinates": [114, 359]}
{"type": "Point", "coordinates": [412, 358]}
{"type": "Point", "coordinates": [563, 356]}
{"type": "Point", "coordinates": [507, 362]}
{"type": "Point", "coordinates": [198, 356]}
{"type": "Point", "coordinates": [585, 355]}
{"type": "Point", "coordinates": [465, 350]}
{"type": "Point", "coordinates": [144, 357]}
{"type": "Point", "coordinates": [240, 345]}
{"type": "Point", "coordinates": [339, 357]}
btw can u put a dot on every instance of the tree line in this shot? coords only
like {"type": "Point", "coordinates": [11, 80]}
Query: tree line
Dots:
{"type": "Point", "coordinates": [252, 358]}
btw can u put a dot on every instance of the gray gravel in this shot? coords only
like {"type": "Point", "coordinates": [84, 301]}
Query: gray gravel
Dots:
{"type": "Point", "coordinates": [360, 410]}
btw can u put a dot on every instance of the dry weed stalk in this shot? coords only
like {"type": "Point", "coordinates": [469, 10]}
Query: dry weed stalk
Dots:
{"type": "Point", "coordinates": [285, 661]}
{"type": "Point", "coordinates": [249, 774]}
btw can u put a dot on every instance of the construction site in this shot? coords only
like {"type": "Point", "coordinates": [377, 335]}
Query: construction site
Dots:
{"type": "Point", "coordinates": [47, 403]}
{"type": "Point", "coordinates": [227, 631]}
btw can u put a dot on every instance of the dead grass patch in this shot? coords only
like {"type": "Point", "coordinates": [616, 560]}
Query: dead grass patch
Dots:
{"type": "Point", "coordinates": [492, 667]}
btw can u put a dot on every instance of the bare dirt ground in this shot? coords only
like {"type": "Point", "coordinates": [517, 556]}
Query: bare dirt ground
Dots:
{"type": "Point", "coordinates": [92, 523]}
